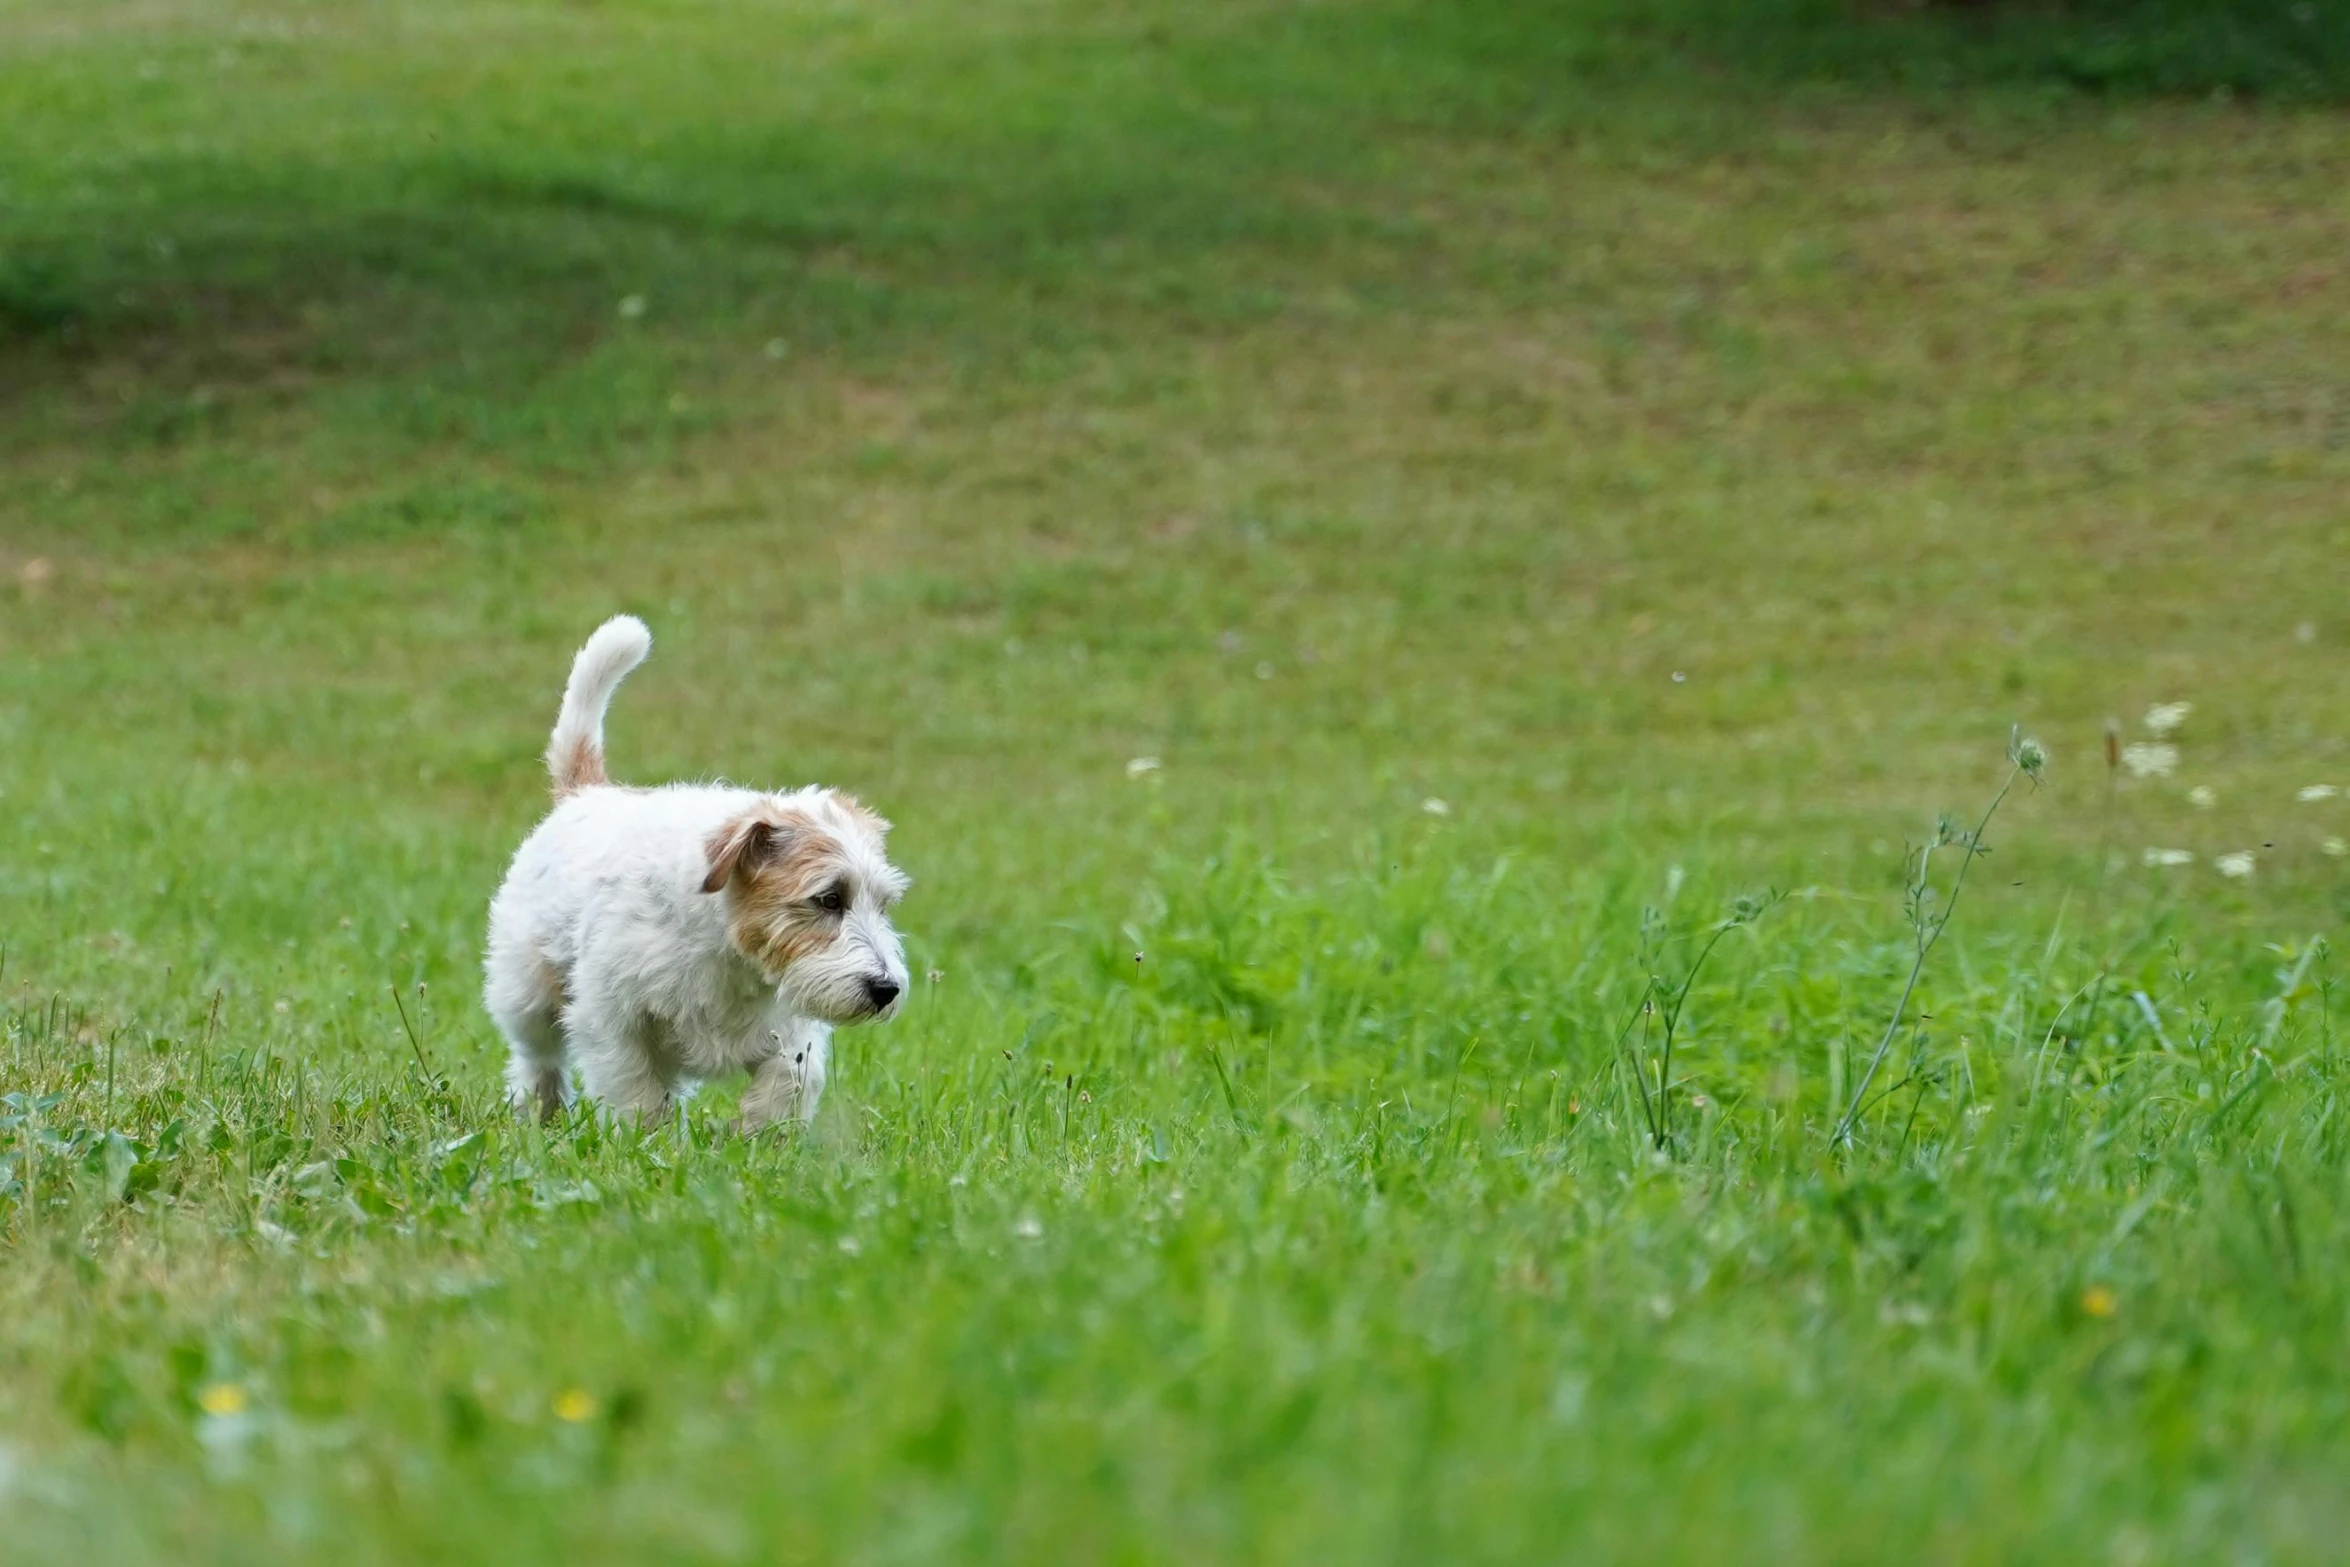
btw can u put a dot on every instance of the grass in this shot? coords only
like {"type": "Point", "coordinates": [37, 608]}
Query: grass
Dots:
{"type": "Point", "coordinates": [1680, 459]}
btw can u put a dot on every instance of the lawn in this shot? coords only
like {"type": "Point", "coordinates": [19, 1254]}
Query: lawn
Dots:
{"type": "Point", "coordinates": [1353, 541]}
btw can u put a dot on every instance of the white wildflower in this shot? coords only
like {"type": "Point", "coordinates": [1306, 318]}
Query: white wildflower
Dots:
{"type": "Point", "coordinates": [2238, 864]}
{"type": "Point", "coordinates": [2163, 717]}
{"type": "Point", "coordinates": [1028, 1228]}
{"type": "Point", "coordinates": [1141, 765]}
{"type": "Point", "coordinates": [2165, 857]}
{"type": "Point", "coordinates": [2335, 847]}
{"type": "Point", "coordinates": [632, 306]}
{"type": "Point", "coordinates": [2314, 792]}
{"type": "Point", "coordinates": [2150, 759]}
{"type": "Point", "coordinates": [1435, 807]}
{"type": "Point", "coordinates": [2203, 797]}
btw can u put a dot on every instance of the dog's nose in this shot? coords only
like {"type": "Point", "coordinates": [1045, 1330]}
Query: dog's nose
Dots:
{"type": "Point", "coordinates": [883, 990]}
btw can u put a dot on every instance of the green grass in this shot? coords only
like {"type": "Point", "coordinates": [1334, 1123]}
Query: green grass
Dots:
{"type": "Point", "coordinates": [1682, 447]}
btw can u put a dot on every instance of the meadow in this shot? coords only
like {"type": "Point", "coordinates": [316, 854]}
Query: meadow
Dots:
{"type": "Point", "coordinates": [1418, 581]}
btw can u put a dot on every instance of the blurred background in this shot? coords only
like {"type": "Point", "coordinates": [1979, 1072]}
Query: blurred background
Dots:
{"type": "Point", "coordinates": [1710, 423]}
{"type": "Point", "coordinates": [1341, 531]}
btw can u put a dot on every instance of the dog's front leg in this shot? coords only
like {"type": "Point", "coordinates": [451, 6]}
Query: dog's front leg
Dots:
{"type": "Point", "coordinates": [791, 1080]}
{"type": "Point", "coordinates": [616, 1062]}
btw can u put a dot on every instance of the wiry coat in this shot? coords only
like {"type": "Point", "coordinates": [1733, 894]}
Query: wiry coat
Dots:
{"type": "Point", "coordinates": [657, 937]}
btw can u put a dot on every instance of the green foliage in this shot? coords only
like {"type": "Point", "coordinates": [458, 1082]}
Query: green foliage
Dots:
{"type": "Point", "coordinates": [1350, 539]}
{"type": "Point", "coordinates": [2274, 49]}
{"type": "Point", "coordinates": [1199, 1250]}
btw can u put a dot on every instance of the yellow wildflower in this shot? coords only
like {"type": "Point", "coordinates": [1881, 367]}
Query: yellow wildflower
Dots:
{"type": "Point", "coordinates": [222, 1398]}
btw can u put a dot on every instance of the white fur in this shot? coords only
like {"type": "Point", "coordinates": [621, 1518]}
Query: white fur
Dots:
{"type": "Point", "coordinates": [604, 949]}
{"type": "Point", "coordinates": [619, 645]}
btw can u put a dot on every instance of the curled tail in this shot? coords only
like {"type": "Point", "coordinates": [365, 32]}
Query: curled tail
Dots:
{"type": "Point", "coordinates": [575, 751]}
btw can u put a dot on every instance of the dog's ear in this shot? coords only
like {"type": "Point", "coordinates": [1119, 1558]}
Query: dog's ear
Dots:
{"type": "Point", "coordinates": [744, 844]}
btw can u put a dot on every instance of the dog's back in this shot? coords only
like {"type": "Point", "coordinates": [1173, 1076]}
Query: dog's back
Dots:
{"type": "Point", "coordinates": [605, 850]}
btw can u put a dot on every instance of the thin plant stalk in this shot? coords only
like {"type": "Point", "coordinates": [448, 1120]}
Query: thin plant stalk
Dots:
{"type": "Point", "coordinates": [1654, 999]}
{"type": "Point", "coordinates": [2025, 759]}
{"type": "Point", "coordinates": [2113, 763]}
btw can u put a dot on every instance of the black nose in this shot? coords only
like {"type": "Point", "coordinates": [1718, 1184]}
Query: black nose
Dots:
{"type": "Point", "coordinates": [883, 990]}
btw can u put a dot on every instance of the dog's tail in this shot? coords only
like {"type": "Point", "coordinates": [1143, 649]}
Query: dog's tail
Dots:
{"type": "Point", "coordinates": [575, 751]}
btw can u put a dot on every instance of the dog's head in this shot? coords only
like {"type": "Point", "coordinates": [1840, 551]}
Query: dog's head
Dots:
{"type": "Point", "coordinates": [809, 889]}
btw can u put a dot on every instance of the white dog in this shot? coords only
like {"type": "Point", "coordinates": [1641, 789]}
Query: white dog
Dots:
{"type": "Point", "coordinates": [663, 936]}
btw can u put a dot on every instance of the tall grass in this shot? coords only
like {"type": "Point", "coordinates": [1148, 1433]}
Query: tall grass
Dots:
{"type": "Point", "coordinates": [1672, 447]}
{"type": "Point", "coordinates": [1174, 1244]}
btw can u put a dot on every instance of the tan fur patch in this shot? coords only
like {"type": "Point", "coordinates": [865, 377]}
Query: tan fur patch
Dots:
{"type": "Point", "coordinates": [768, 922]}
{"type": "Point", "coordinates": [583, 768]}
{"type": "Point", "coordinates": [551, 985]}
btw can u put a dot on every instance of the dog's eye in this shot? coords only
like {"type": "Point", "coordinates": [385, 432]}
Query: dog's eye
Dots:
{"type": "Point", "coordinates": [833, 899]}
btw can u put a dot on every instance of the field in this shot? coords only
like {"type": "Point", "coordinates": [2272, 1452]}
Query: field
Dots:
{"type": "Point", "coordinates": [1414, 578]}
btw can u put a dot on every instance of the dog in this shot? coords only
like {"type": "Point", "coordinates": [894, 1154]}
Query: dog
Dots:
{"type": "Point", "coordinates": [658, 937]}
